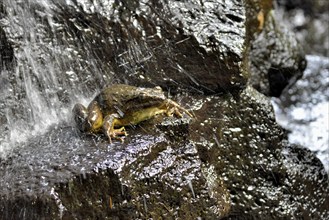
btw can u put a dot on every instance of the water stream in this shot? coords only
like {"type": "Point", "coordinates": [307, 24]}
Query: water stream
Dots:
{"type": "Point", "coordinates": [49, 74]}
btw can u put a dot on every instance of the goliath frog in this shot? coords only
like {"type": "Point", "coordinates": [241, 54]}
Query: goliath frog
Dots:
{"type": "Point", "coordinates": [121, 105]}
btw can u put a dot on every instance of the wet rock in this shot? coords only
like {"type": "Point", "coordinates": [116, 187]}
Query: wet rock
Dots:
{"type": "Point", "coordinates": [276, 58]}
{"type": "Point", "coordinates": [151, 175]}
{"type": "Point", "coordinates": [6, 50]}
{"type": "Point", "coordinates": [308, 179]}
{"type": "Point", "coordinates": [245, 149]}
{"type": "Point", "coordinates": [230, 162]}
{"type": "Point", "coordinates": [198, 44]}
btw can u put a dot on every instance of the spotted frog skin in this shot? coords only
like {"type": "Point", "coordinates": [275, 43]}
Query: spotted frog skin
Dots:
{"type": "Point", "coordinates": [120, 105]}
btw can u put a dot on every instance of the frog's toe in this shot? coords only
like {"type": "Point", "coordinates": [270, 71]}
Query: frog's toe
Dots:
{"type": "Point", "coordinates": [120, 132]}
{"type": "Point", "coordinates": [117, 134]}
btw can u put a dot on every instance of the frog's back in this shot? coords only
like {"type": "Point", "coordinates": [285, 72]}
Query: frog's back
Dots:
{"type": "Point", "coordinates": [117, 92]}
{"type": "Point", "coordinates": [111, 98]}
{"type": "Point", "coordinates": [127, 98]}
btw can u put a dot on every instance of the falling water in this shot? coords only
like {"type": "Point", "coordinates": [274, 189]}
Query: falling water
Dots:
{"type": "Point", "coordinates": [50, 73]}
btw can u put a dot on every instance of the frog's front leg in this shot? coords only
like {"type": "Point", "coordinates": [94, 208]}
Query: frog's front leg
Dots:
{"type": "Point", "coordinates": [109, 127]}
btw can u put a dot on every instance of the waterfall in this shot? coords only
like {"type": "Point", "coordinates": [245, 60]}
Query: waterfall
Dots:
{"type": "Point", "coordinates": [51, 71]}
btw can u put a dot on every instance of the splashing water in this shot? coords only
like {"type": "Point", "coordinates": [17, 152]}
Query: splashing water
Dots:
{"type": "Point", "coordinates": [49, 73]}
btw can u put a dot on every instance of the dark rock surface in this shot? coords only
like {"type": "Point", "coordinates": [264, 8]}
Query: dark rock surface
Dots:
{"type": "Point", "coordinates": [229, 162]}
{"type": "Point", "coordinates": [198, 46]}
{"type": "Point", "coordinates": [6, 51]}
{"type": "Point", "coordinates": [155, 173]}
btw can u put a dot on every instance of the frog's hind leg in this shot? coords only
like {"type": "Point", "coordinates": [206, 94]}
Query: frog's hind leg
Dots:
{"type": "Point", "coordinates": [108, 126]}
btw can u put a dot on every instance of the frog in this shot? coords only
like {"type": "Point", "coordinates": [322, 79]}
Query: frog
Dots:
{"type": "Point", "coordinates": [120, 105]}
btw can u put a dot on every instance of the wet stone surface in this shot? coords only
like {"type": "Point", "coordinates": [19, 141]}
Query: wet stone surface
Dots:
{"type": "Point", "coordinates": [176, 46]}
{"type": "Point", "coordinates": [150, 175]}
{"type": "Point", "coordinates": [228, 162]}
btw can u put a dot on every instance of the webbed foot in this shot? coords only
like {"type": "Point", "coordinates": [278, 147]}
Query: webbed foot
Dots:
{"type": "Point", "coordinates": [108, 126]}
{"type": "Point", "coordinates": [117, 134]}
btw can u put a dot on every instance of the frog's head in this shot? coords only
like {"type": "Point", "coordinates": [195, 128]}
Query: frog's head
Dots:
{"type": "Point", "coordinates": [80, 114]}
